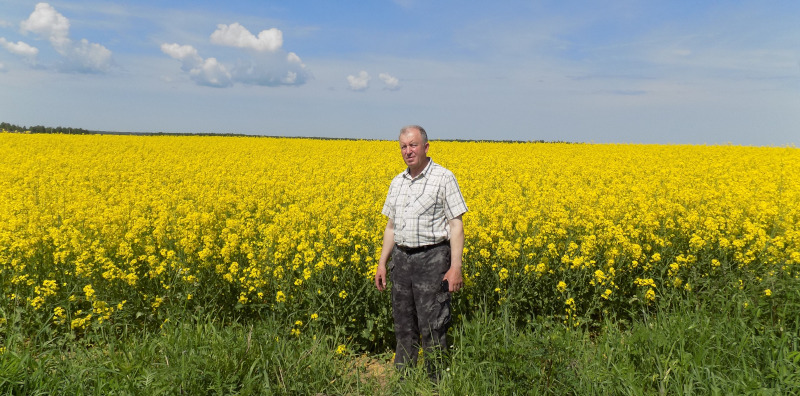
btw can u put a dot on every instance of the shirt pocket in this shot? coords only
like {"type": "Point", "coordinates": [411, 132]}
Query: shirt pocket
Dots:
{"type": "Point", "coordinates": [424, 203]}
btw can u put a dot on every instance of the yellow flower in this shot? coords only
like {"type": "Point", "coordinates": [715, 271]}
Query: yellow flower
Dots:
{"type": "Point", "coordinates": [89, 291]}
{"type": "Point", "coordinates": [157, 302]}
{"type": "Point", "coordinates": [503, 274]}
{"type": "Point", "coordinates": [59, 315]}
{"type": "Point", "coordinates": [141, 217]}
{"type": "Point", "coordinates": [645, 282]}
{"type": "Point", "coordinates": [600, 276]}
{"type": "Point", "coordinates": [767, 292]}
{"type": "Point", "coordinates": [341, 349]}
{"type": "Point", "coordinates": [81, 323]}
{"type": "Point", "coordinates": [36, 302]}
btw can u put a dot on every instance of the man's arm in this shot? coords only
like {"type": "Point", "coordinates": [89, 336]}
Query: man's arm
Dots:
{"type": "Point", "coordinates": [386, 252]}
{"type": "Point", "coordinates": [453, 275]}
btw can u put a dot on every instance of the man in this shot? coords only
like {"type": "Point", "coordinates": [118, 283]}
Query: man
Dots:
{"type": "Point", "coordinates": [424, 237]}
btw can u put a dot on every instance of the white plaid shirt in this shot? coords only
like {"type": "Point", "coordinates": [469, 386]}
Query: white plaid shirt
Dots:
{"type": "Point", "coordinates": [421, 207]}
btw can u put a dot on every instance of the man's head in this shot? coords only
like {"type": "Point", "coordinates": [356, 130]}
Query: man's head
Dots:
{"type": "Point", "coordinates": [420, 129]}
{"type": "Point", "coordinates": [414, 147]}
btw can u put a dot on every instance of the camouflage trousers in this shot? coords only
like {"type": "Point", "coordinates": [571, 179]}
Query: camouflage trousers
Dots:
{"type": "Point", "coordinates": [420, 307]}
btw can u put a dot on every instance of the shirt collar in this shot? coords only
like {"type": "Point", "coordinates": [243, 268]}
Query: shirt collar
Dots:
{"type": "Point", "coordinates": [407, 173]}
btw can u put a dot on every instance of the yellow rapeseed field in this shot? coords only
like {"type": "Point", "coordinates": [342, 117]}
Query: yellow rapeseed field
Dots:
{"type": "Point", "coordinates": [103, 229]}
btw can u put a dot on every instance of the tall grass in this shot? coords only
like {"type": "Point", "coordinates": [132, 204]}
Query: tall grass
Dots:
{"type": "Point", "coordinates": [712, 346]}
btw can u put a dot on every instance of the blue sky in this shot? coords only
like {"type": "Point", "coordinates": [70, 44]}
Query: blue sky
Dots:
{"type": "Point", "coordinates": [677, 72]}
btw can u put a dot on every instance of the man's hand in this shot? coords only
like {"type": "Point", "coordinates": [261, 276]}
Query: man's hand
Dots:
{"type": "Point", "coordinates": [386, 252]}
{"type": "Point", "coordinates": [454, 279]}
{"type": "Point", "coordinates": [380, 277]}
{"type": "Point", "coordinates": [453, 275]}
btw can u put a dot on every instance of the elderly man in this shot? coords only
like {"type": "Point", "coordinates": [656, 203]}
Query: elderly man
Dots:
{"type": "Point", "coordinates": [424, 237]}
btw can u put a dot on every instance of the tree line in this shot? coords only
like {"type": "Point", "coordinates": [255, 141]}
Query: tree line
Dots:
{"type": "Point", "coordinates": [4, 126]}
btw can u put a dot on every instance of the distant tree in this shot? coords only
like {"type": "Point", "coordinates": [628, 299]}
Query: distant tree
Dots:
{"type": "Point", "coordinates": [43, 129]}
{"type": "Point", "coordinates": [11, 127]}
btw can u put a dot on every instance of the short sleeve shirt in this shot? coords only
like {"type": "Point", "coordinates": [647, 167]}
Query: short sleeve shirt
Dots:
{"type": "Point", "coordinates": [421, 207]}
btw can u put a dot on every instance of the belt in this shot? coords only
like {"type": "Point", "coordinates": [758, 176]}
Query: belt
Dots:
{"type": "Point", "coordinates": [415, 250]}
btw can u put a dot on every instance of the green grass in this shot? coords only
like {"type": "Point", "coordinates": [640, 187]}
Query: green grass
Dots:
{"type": "Point", "coordinates": [699, 347]}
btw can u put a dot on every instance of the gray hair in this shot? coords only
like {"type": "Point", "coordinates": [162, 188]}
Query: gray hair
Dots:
{"type": "Point", "coordinates": [417, 127]}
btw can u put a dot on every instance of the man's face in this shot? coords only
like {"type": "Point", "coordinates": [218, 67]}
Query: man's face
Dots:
{"type": "Point", "coordinates": [413, 149]}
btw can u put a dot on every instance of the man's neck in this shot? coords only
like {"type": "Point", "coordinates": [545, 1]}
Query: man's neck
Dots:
{"type": "Point", "coordinates": [415, 172]}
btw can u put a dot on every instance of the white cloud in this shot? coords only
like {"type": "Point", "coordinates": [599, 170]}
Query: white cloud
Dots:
{"type": "Point", "coordinates": [270, 70]}
{"type": "Point", "coordinates": [236, 35]}
{"type": "Point", "coordinates": [84, 57]}
{"type": "Point", "coordinates": [392, 83]}
{"type": "Point", "coordinates": [20, 48]}
{"type": "Point", "coordinates": [184, 53]}
{"type": "Point", "coordinates": [87, 57]}
{"type": "Point", "coordinates": [264, 70]}
{"type": "Point", "coordinates": [208, 72]}
{"type": "Point", "coordinates": [293, 58]}
{"type": "Point", "coordinates": [50, 24]}
{"type": "Point", "coordinates": [360, 82]}
{"type": "Point", "coordinates": [268, 65]}
{"type": "Point", "coordinates": [211, 73]}
{"type": "Point", "coordinates": [2, 68]}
